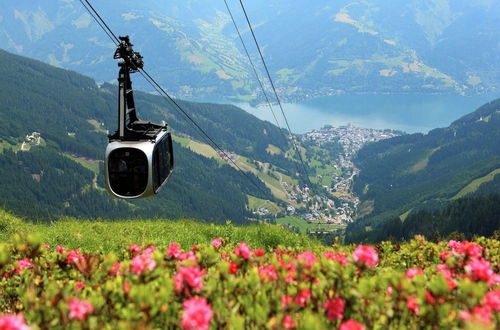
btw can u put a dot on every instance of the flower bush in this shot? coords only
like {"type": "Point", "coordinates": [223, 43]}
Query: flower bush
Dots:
{"type": "Point", "coordinates": [226, 284]}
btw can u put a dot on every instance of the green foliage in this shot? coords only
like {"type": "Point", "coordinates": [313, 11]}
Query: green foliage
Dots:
{"type": "Point", "coordinates": [299, 287]}
{"type": "Point", "coordinates": [454, 157]}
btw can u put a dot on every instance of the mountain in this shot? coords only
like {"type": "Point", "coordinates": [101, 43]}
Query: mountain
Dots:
{"type": "Point", "coordinates": [409, 173]}
{"type": "Point", "coordinates": [61, 174]}
{"type": "Point", "coordinates": [311, 48]}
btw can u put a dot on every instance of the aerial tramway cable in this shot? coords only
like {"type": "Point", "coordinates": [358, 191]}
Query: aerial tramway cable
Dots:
{"type": "Point", "coordinates": [258, 79]}
{"type": "Point", "coordinates": [292, 138]}
{"type": "Point", "coordinates": [100, 21]}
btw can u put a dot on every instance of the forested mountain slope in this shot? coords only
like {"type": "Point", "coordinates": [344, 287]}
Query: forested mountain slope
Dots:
{"type": "Point", "coordinates": [418, 171]}
{"type": "Point", "coordinates": [73, 114]}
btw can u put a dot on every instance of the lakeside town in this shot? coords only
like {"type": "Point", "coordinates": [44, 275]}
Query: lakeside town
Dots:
{"type": "Point", "coordinates": [341, 205]}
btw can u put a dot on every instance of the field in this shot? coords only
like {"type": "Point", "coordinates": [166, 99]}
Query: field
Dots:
{"type": "Point", "coordinates": [474, 185]}
{"type": "Point", "coordinates": [304, 225]}
{"type": "Point", "coordinates": [186, 275]}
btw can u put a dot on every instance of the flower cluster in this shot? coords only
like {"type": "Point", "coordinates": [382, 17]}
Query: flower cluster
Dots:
{"type": "Point", "coordinates": [225, 285]}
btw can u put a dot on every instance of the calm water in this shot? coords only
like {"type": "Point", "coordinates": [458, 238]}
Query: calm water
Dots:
{"type": "Point", "coordinates": [409, 113]}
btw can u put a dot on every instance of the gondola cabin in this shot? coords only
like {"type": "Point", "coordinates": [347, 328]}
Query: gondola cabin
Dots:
{"type": "Point", "coordinates": [139, 156]}
{"type": "Point", "coordinates": [138, 169]}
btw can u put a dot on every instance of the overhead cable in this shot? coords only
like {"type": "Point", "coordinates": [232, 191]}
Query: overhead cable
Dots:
{"type": "Point", "coordinates": [275, 93]}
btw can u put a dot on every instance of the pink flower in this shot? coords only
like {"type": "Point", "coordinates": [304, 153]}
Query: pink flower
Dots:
{"type": "Point", "coordinates": [115, 269]}
{"type": "Point", "coordinates": [259, 252]}
{"type": "Point", "coordinates": [480, 270]}
{"type": "Point", "coordinates": [194, 247]}
{"type": "Point", "coordinates": [479, 315]}
{"type": "Point", "coordinates": [142, 262]}
{"type": "Point", "coordinates": [134, 248]}
{"type": "Point", "coordinates": [190, 275]}
{"type": "Point", "coordinates": [233, 268]}
{"type": "Point", "coordinates": [187, 256]}
{"type": "Point", "coordinates": [492, 300]}
{"type": "Point", "coordinates": [472, 250]}
{"type": "Point", "coordinates": [334, 308]}
{"type": "Point", "coordinates": [303, 297]}
{"type": "Point", "coordinates": [78, 309]}
{"type": "Point", "coordinates": [60, 249]}
{"type": "Point", "coordinates": [74, 256]}
{"type": "Point", "coordinates": [13, 322]}
{"type": "Point", "coordinates": [351, 325]}
{"type": "Point", "coordinates": [216, 242]}
{"type": "Point", "coordinates": [288, 322]}
{"type": "Point", "coordinates": [412, 272]}
{"type": "Point", "coordinates": [197, 314]}
{"type": "Point", "coordinates": [366, 256]}
{"type": "Point", "coordinates": [150, 249]}
{"type": "Point", "coordinates": [308, 258]}
{"type": "Point", "coordinates": [243, 251]}
{"type": "Point", "coordinates": [79, 285]}
{"type": "Point", "coordinates": [46, 246]}
{"type": "Point", "coordinates": [126, 287]}
{"type": "Point", "coordinates": [174, 250]}
{"type": "Point", "coordinates": [23, 264]}
{"type": "Point", "coordinates": [412, 304]}
{"type": "Point", "coordinates": [338, 257]}
{"type": "Point", "coordinates": [268, 272]}
{"type": "Point", "coordinates": [286, 300]}
{"type": "Point", "coordinates": [447, 274]}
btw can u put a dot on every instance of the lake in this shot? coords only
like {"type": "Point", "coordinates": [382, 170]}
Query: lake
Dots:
{"type": "Point", "coordinates": [409, 113]}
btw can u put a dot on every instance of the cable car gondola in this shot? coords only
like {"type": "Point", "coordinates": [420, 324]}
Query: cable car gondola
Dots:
{"type": "Point", "coordinates": [139, 156]}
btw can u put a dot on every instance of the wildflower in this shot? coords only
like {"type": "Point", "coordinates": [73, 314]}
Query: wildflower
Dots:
{"type": "Point", "coordinates": [286, 300]}
{"type": "Point", "coordinates": [46, 246]}
{"type": "Point", "coordinates": [216, 242]}
{"type": "Point", "coordinates": [268, 272]}
{"type": "Point", "coordinates": [412, 304]}
{"type": "Point", "coordinates": [479, 315]}
{"type": "Point", "coordinates": [194, 247]}
{"type": "Point", "coordinates": [174, 250]}
{"type": "Point", "coordinates": [190, 275]}
{"type": "Point", "coordinates": [447, 274]}
{"type": "Point", "coordinates": [134, 248]}
{"type": "Point", "coordinates": [334, 308]}
{"type": "Point", "coordinates": [74, 256]}
{"type": "Point", "coordinates": [308, 258]}
{"type": "Point", "coordinates": [79, 309]}
{"type": "Point", "coordinates": [412, 272]}
{"type": "Point", "coordinates": [187, 256]}
{"type": "Point", "coordinates": [60, 249]}
{"type": "Point", "coordinates": [492, 300]}
{"type": "Point", "coordinates": [23, 264]}
{"type": "Point", "coordinates": [259, 252]}
{"type": "Point", "coordinates": [13, 322]}
{"type": "Point", "coordinates": [288, 322]}
{"type": "Point", "coordinates": [142, 262]}
{"type": "Point", "coordinates": [351, 325]}
{"type": "Point", "coordinates": [303, 297]}
{"type": "Point", "coordinates": [197, 314]}
{"type": "Point", "coordinates": [366, 256]}
{"type": "Point", "coordinates": [115, 269]}
{"type": "Point", "coordinates": [243, 251]}
{"type": "Point", "coordinates": [479, 269]}
{"type": "Point", "coordinates": [126, 287]}
{"type": "Point", "coordinates": [233, 268]}
{"type": "Point", "coordinates": [338, 257]}
{"type": "Point", "coordinates": [79, 285]}
{"type": "Point", "coordinates": [150, 249]}
{"type": "Point", "coordinates": [472, 250]}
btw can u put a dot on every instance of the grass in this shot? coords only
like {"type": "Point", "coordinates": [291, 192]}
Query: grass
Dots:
{"type": "Point", "coordinates": [255, 203]}
{"type": "Point", "coordinates": [474, 185]}
{"type": "Point", "coordinates": [92, 165]}
{"type": "Point", "coordinates": [304, 225]}
{"type": "Point", "coordinates": [114, 236]}
{"type": "Point", "coordinates": [405, 215]}
{"type": "Point", "coordinates": [273, 150]}
{"type": "Point", "coordinates": [421, 164]}
{"type": "Point", "coordinates": [97, 127]}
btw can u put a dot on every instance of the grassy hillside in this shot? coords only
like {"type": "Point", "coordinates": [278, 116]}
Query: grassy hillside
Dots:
{"type": "Point", "coordinates": [108, 236]}
{"type": "Point", "coordinates": [73, 115]}
{"type": "Point", "coordinates": [418, 171]}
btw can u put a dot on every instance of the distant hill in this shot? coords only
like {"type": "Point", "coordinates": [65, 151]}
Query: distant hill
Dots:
{"type": "Point", "coordinates": [312, 47]}
{"type": "Point", "coordinates": [63, 173]}
{"type": "Point", "coordinates": [414, 172]}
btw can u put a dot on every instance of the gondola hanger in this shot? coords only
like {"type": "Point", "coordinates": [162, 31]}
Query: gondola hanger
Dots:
{"type": "Point", "coordinates": [139, 156]}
